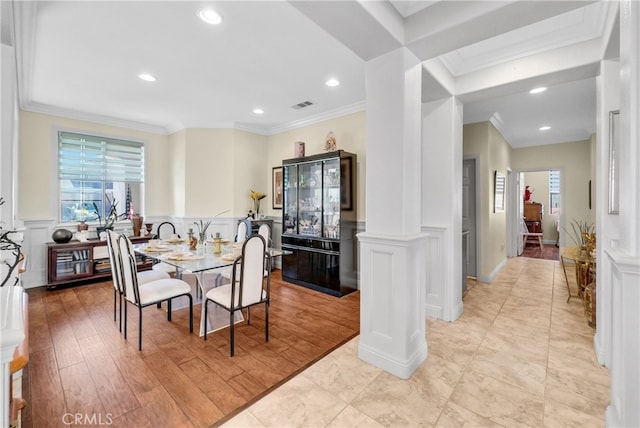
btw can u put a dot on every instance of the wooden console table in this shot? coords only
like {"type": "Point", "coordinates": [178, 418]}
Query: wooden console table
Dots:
{"type": "Point", "coordinates": [80, 261]}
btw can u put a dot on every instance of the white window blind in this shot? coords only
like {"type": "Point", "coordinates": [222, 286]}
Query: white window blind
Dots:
{"type": "Point", "coordinates": [96, 174]}
{"type": "Point", "coordinates": [85, 157]}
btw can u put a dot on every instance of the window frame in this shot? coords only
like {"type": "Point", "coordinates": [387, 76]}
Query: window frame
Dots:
{"type": "Point", "coordinates": [555, 190]}
{"type": "Point", "coordinates": [55, 202]}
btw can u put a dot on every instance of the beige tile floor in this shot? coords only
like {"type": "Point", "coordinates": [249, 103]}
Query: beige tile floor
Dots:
{"type": "Point", "coordinates": [520, 355]}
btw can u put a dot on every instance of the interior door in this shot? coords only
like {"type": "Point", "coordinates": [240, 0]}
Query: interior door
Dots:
{"type": "Point", "coordinates": [469, 193]}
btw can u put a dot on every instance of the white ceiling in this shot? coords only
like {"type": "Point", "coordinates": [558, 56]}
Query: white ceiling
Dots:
{"type": "Point", "coordinates": [80, 59]}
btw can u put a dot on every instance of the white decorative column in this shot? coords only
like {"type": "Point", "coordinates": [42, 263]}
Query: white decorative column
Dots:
{"type": "Point", "coordinates": [624, 279]}
{"type": "Point", "coordinates": [442, 188]}
{"type": "Point", "coordinates": [392, 249]}
{"type": "Point", "coordinates": [607, 225]}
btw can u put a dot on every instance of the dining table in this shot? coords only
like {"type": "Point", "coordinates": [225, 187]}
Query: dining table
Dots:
{"type": "Point", "coordinates": [200, 261]}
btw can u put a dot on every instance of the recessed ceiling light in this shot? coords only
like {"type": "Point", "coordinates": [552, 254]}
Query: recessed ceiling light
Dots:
{"type": "Point", "coordinates": [537, 90]}
{"type": "Point", "coordinates": [544, 128]}
{"type": "Point", "coordinates": [147, 77]}
{"type": "Point", "coordinates": [258, 111]}
{"type": "Point", "coordinates": [332, 82]}
{"type": "Point", "coordinates": [210, 16]}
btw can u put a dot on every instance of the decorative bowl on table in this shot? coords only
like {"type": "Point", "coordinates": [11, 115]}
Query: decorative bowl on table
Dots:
{"type": "Point", "coordinates": [62, 236]}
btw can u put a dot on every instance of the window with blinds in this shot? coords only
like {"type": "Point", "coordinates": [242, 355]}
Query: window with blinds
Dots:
{"type": "Point", "coordinates": [97, 172]}
{"type": "Point", "coordinates": [554, 192]}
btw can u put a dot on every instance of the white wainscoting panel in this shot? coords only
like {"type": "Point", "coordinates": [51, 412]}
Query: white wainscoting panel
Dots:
{"type": "Point", "coordinates": [434, 296]}
{"type": "Point", "coordinates": [623, 410]}
{"type": "Point", "coordinates": [36, 235]}
{"type": "Point", "coordinates": [392, 318]}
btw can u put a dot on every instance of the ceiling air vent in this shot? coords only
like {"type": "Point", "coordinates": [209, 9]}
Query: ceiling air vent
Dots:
{"type": "Point", "coordinates": [303, 104]}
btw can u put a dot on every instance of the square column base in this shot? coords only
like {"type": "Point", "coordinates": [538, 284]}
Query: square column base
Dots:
{"type": "Point", "coordinates": [392, 296]}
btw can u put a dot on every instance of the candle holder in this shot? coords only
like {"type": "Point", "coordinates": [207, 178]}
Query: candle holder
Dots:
{"type": "Point", "coordinates": [149, 226]}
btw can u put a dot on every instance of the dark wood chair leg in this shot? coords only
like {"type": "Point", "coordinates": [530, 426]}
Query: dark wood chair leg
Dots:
{"type": "Point", "coordinates": [125, 319]}
{"type": "Point", "coordinates": [169, 310]}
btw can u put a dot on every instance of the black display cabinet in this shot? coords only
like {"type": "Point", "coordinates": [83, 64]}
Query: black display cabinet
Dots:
{"type": "Point", "coordinates": [318, 222]}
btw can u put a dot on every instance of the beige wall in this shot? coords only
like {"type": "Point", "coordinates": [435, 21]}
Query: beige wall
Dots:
{"type": "Point", "coordinates": [209, 172]}
{"type": "Point", "coordinates": [37, 160]}
{"type": "Point", "coordinates": [350, 135]}
{"type": "Point", "coordinates": [574, 161]}
{"type": "Point", "coordinates": [251, 172]}
{"type": "Point", "coordinates": [191, 173]}
{"type": "Point", "coordinates": [176, 169]}
{"type": "Point", "coordinates": [483, 141]}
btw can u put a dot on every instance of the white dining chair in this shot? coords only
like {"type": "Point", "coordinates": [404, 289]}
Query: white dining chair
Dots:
{"type": "Point", "coordinates": [150, 293]}
{"type": "Point", "coordinates": [265, 231]}
{"type": "Point", "coordinates": [250, 288]}
{"type": "Point", "coordinates": [165, 230]}
{"type": "Point", "coordinates": [524, 231]}
{"type": "Point", "coordinates": [241, 235]}
{"type": "Point", "coordinates": [118, 290]}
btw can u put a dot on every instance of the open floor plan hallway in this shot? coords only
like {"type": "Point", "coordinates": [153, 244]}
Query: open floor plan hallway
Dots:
{"type": "Point", "coordinates": [520, 355]}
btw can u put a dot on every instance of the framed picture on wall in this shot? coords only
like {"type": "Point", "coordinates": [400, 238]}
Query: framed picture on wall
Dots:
{"type": "Point", "coordinates": [276, 183]}
{"type": "Point", "coordinates": [499, 191]}
{"type": "Point", "coordinates": [614, 162]}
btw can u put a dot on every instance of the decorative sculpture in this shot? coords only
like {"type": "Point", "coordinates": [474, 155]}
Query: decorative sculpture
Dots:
{"type": "Point", "coordinates": [330, 143]}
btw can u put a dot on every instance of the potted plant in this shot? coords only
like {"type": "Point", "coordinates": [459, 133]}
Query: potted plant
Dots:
{"type": "Point", "coordinates": [202, 230]}
{"type": "Point", "coordinates": [10, 250]}
{"type": "Point", "coordinates": [257, 197]}
{"type": "Point", "coordinates": [110, 218]}
{"type": "Point", "coordinates": [583, 236]}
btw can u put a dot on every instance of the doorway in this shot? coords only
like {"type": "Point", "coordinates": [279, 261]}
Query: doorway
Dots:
{"type": "Point", "coordinates": [469, 220]}
{"type": "Point", "coordinates": [539, 204]}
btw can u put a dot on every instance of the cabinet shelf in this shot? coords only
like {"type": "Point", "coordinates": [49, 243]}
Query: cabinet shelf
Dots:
{"type": "Point", "coordinates": [83, 261]}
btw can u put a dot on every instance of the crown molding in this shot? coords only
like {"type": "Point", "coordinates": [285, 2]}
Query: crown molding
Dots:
{"type": "Point", "coordinates": [24, 27]}
{"type": "Point", "coordinates": [332, 114]}
{"type": "Point", "coordinates": [176, 127]}
{"type": "Point", "coordinates": [498, 123]}
{"type": "Point", "coordinates": [95, 118]}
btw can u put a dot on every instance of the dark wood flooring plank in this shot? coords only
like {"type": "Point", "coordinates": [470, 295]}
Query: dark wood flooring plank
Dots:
{"type": "Point", "coordinates": [214, 386]}
{"type": "Point", "coordinates": [81, 396]}
{"type": "Point", "coordinates": [114, 392]}
{"type": "Point", "coordinates": [136, 418]}
{"type": "Point", "coordinates": [39, 335]}
{"type": "Point", "coordinates": [47, 404]}
{"type": "Point", "coordinates": [64, 341]}
{"type": "Point", "coordinates": [193, 402]}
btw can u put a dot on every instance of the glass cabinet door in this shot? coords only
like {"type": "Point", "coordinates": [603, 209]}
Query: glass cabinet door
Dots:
{"type": "Point", "coordinates": [290, 200]}
{"type": "Point", "coordinates": [331, 199]}
{"type": "Point", "coordinates": [310, 199]}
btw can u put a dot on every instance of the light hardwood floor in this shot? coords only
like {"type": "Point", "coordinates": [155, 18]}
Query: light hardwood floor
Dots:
{"type": "Point", "coordinates": [519, 356]}
{"type": "Point", "coordinates": [81, 365]}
